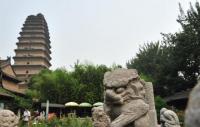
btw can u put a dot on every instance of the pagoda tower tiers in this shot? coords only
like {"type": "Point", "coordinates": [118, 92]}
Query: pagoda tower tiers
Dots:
{"type": "Point", "coordinates": [33, 48]}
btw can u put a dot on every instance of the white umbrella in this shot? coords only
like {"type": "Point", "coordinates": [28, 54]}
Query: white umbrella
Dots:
{"type": "Point", "coordinates": [85, 104]}
{"type": "Point", "coordinates": [98, 104]}
{"type": "Point", "coordinates": [71, 104]}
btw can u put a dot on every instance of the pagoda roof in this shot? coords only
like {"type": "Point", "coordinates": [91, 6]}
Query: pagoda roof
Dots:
{"type": "Point", "coordinates": [32, 43]}
{"type": "Point", "coordinates": [10, 77]}
{"type": "Point", "coordinates": [6, 68]}
{"type": "Point", "coordinates": [48, 52]}
{"type": "Point", "coordinates": [14, 89]}
{"type": "Point", "coordinates": [7, 77]}
{"type": "Point", "coordinates": [29, 65]}
{"type": "Point", "coordinates": [4, 62]}
{"type": "Point", "coordinates": [5, 93]}
{"type": "Point", "coordinates": [41, 37]}
{"type": "Point", "coordinates": [33, 32]}
{"type": "Point", "coordinates": [178, 96]}
{"type": "Point", "coordinates": [34, 35]}
{"type": "Point", "coordinates": [33, 23]}
{"type": "Point", "coordinates": [39, 15]}
{"type": "Point", "coordinates": [34, 27]}
{"type": "Point", "coordinates": [33, 57]}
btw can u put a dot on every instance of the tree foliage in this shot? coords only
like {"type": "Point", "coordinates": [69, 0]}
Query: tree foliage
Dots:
{"type": "Point", "coordinates": [151, 62]}
{"type": "Point", "coordinates": [83, 84]}
{"type": "Point", "coordinates": [173, 64]}
{"type": "Point", "coordinates": [186, 43]}
{"type": "Point", "coordinates": [57, 86]}
{"type": "Point", "coordinates": [159, 104]}
{"type": "Point", "coordinates": [91, 77]}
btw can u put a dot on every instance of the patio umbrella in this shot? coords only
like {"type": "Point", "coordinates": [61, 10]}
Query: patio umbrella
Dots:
{"type": "Point", "coordinates": [85, 109]}
{"type": "Point", "coordinates": [98, 104]}
{"type": "Point", "coordinates": [71, 104]}
{"type": "Point", "coordinates": [85, 104]}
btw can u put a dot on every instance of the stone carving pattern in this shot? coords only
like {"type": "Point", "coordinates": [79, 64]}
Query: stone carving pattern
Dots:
{"type": "Point", "coordinates": [150, 100]}
{"type": "Point", "coordinates": [125, 101]}
{"type": "Point", "coordinates": [192, 114]}
{"type": "Point", "coordinates": [8, 119]}
{"type": "Point", "coordinates": [99, 117]}
{"type": "Point", "coordinates": [168, 118]}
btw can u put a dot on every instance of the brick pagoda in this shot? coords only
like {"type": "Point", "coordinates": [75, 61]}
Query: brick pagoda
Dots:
{"type": "Point", "coordinates": [33, 48]}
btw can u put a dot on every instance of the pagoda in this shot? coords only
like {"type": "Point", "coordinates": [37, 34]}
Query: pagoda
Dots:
{"type": "Point", "coordinates": [33, 48]}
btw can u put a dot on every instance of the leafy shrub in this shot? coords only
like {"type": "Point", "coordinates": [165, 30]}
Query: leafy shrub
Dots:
{"type": "Point", "coordinates": [70, 121]}
{"type": "Point", "coordinates": [180, 115]}
{"type": "Point", "coordinates": [73, 121]}
{"type": "Point", "coordinates": [159, 103]}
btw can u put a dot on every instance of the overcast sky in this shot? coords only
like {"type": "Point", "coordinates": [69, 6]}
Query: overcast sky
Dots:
{"type": "Point", "coordinates": [98, 31]}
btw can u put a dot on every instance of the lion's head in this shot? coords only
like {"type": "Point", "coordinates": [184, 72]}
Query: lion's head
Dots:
{"type": "Point", "coordinates": [122, 85]}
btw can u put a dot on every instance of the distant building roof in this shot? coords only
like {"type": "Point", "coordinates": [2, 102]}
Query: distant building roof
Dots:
{"type": "Point", "coordinates": [178, 96]}
{"type": "Point", "coordinates": [8, 79]}
{"type": "Point", "coordinates": [53, 105]}
{"type": "Point", "coordinates": [4, 62]}
{"type": "Point", "coordinates": [5, 93]}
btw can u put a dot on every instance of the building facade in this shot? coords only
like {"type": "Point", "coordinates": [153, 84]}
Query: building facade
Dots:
{"type": "Point", "coordinates": [33, 48]}
{"type": "Point", "coordinates": [10, 85]}
{"type": "Point", "coordinates": [8, 79]}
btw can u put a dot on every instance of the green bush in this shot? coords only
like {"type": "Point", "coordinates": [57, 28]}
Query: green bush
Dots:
{"type": "Point", "coordinates": [73, 121]}
{"type": "Point", "coordinates": [180, 115]}
{"type": "Point", "coordinates": [70, 121]}
{"type": "Point", "coordinates": [159, 103]}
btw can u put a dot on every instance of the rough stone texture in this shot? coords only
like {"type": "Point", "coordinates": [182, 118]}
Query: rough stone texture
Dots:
{"type": "Point", "coordinates": [150, 100]}
{"type": "Point", "coordinates": [125, 101]}
{"type": "Point", "coordinates": [192, 114]}
{"type": "Point", "coordinates": [168, 118]}
{"type": "Point", "coordinates": [8, 119]}
{"type": "Point", "coordinates": [99, 117]}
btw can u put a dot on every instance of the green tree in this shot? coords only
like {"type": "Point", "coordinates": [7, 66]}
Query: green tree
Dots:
{"type": "Point", "coordinates": [148, 60]}
{"type": "Point", "coordinates": [57, 86]}
{"type": "Point", "coordinates": [151, 62]}
{"type": "Point", "coordinates": [173, 64]}
{"type": "Point", "coordinates": [184, 50]}
{"type": "Point", "coordinates": [91, 78]}
{"type": "Point", "coordinates": [186, 45]}
{"type": "Point", "coordinates": [159, 104]}
{"type": "Point", "coordinates": [83, 84]}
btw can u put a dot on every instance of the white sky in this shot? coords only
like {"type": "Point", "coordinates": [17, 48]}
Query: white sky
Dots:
{"type": "Point", "coordinates": [98, 31]}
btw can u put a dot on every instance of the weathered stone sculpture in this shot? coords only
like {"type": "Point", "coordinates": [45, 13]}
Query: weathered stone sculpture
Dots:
{"type": "Point", "coordinates": [150, 100]}
{"type": "Point", "coordinates": [168, 118]}
{"type": "Point", "coordinates": [99, 117]}
{"type": "Point", "coordinates": [192, 114]}
{"type": "Point", "coordinates": [125, 101]}
{"type": "Point", "coordinates": [8, 119]}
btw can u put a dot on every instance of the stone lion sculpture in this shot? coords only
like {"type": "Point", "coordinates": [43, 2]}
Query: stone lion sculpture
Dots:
{"type": "Point", "coordinates": [124, 99]}
{"type": "Point", "coordinates": [168, 118]}
{"type": "Point", "coordinates": [8, 119]}
{"type": "Point", "coordinates": [192, 113]}
{"type": "Point", "coordinates": [99, 117]}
